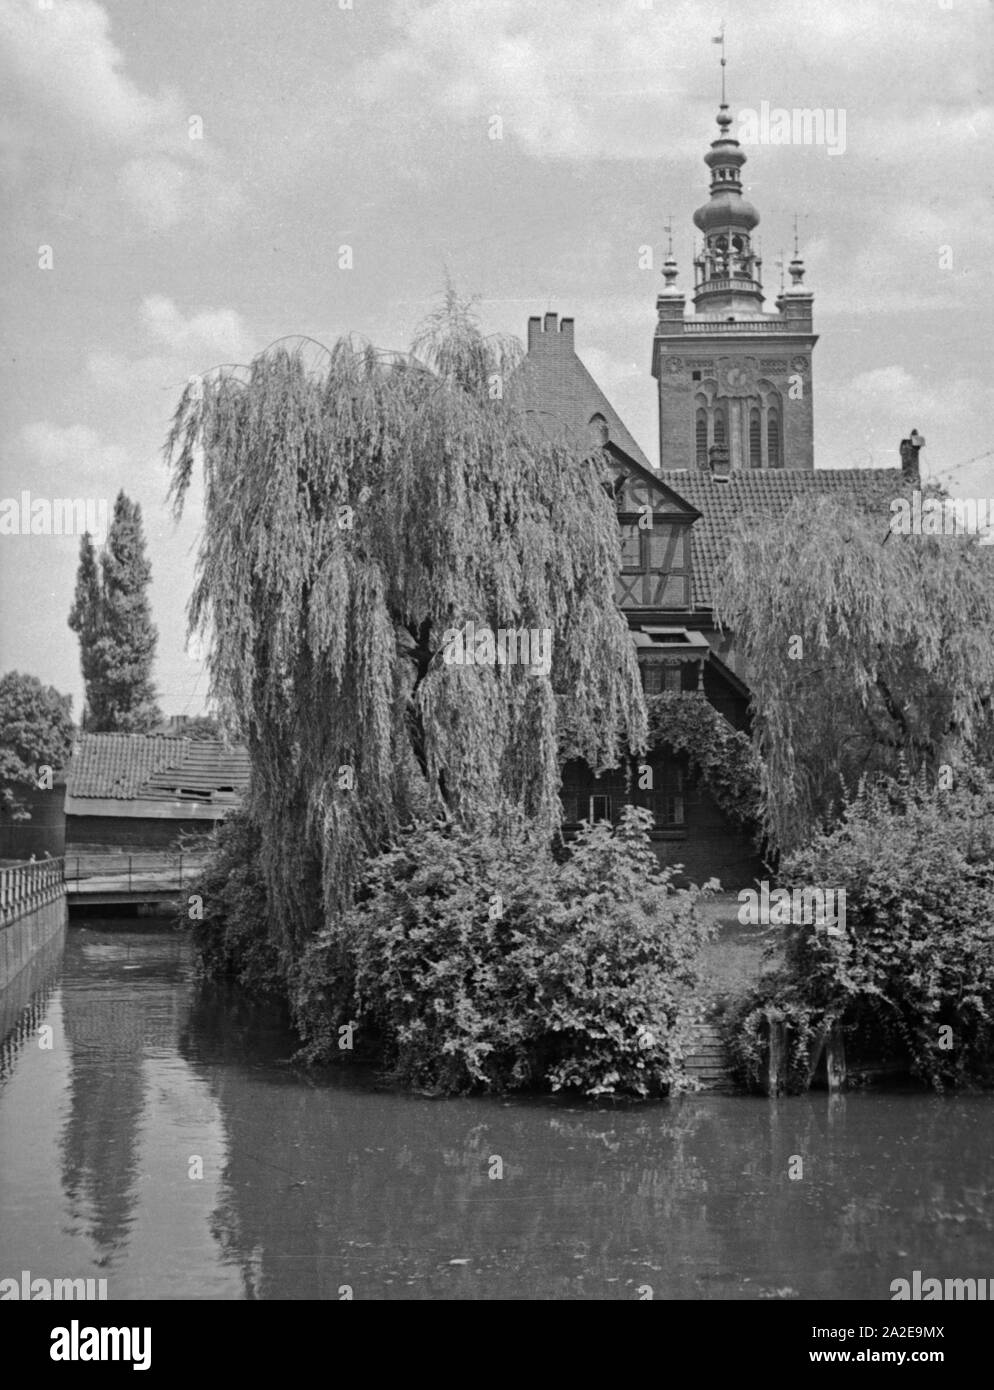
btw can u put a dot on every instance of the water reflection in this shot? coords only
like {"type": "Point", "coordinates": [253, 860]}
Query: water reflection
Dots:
{"type": "Point", "coordinates": [314, 1184]}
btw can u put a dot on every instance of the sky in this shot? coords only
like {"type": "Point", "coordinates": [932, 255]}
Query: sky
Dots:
{"type": "Point", "coordinates": [179, 180]}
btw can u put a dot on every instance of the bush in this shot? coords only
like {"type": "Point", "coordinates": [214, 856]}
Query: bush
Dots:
{"type": "Point", "coordinates": [917, 956]}
{"type": "Point", "coordinates": [481, 963]}
{"type": "Point", "coordinates": [233, 938]}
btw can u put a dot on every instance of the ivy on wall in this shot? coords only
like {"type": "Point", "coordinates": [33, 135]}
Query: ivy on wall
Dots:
{"type": "Point", "coordinates": [723, 757]}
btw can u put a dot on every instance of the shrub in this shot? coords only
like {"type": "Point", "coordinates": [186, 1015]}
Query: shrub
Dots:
{"type": "Point", "coordinates": [233, 938]}
{"type": "Point", "coordinates": [481, 963]}
{"type": "Point", "coordinates": [917, 956]}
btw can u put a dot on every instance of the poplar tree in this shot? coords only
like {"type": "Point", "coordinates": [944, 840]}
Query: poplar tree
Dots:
{"type": "Point", "coordinates": [358, 507]}
{"type": "Point", "coordinates": [112, 616]}
{"type": "Point", "coordinates": [865, 651]}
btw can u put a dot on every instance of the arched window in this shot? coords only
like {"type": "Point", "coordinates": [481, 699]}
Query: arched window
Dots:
{"type": "Point", "coordinates": [755, 440]}
{"type": "Point", "coordinates": [773, 439]}
{"type": "Point", "coordinates": [702, 439]}
{"type": "Point", "coordinates": [719, 426]}
{"type": "Point", "coordinates": [598, 430]}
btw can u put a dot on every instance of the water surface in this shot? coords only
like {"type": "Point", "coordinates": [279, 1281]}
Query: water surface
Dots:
{"type": "Point", "coordinates": [166, 1143]}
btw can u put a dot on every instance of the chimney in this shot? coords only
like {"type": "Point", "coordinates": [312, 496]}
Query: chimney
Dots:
{"type": "Point", "coordinates": [909, 457]}
{"type": "Point", "coordinates": [718, 461]}
{"type": "Point", "coordinates": [549, 334]}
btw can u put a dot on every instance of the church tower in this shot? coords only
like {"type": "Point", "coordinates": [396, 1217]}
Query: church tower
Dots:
{"type": "Point", "coordinates": [735, 387]}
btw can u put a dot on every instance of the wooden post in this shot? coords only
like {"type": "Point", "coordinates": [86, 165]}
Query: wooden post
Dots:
{"type": "Point", "coordinates": [835, 1059]}
{"type": "Point", "coordinates": [775, 1077]}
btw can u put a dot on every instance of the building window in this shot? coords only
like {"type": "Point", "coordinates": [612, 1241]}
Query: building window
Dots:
{"type": "Point", "coordinates": [673, 678]}
{"type": "Point", "coordinates": [665, 798]}
{"type": "Point", "coordinates": [702, 439]}
{"type": "Point", "coordinates": [773, 439]}
{"type": "Point", "coordinates": [719, 426]}
{"type": "Point", "coordinates": [755, 440]}
{"type": "Point", "coordinates": [599, 432]}
{"type": "Point", "coordinates": [652, 679]}
{"type": "Point", "coordinates": [667, 805]}
{"type": "Point", "coordinates": [600, 809]}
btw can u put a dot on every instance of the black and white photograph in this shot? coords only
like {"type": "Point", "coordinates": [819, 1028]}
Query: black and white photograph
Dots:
{"type": "Point", "coordinates": [497, 667]}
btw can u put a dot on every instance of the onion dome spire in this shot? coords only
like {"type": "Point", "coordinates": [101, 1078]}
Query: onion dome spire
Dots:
{"type": "Point", "coordinates": [727, 269]}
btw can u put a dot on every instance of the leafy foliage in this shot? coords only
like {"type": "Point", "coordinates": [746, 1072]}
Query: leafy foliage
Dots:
{"type": "Point", "coordinates": [897, 657]}
{"type": "Point", "coordinates": [358, 507]}
{"type": "Point", "coordinates": [723, 756]}
{"type": "Point", "coordinates": [36, 729]}
{"type": "Point", "coordinates": [480, 963]}
{"type": "Point", "coordinates": [232, 938]}
{"type": "Point", "coordinates": [117, 638]}
{"type": "Point", "coordinates": [917, 955]}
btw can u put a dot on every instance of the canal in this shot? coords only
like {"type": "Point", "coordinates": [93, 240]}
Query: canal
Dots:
{"type": "Point", "coordinates": [155, 1132]}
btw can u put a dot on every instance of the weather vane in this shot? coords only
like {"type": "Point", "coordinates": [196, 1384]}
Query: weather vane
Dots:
{"type": "Point", "coordinates": [720, 38]}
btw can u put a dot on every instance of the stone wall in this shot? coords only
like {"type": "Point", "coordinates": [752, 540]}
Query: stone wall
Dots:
{"type": "Point", "coordinates": [23, 938]}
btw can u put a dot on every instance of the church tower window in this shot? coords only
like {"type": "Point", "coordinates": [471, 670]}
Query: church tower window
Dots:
{"type": "Point", "coordinates": [755, 440]}
{"type": "Point", "coordinates": [702, 439]}
{"type": "Point", "coordinates": [773, 453]}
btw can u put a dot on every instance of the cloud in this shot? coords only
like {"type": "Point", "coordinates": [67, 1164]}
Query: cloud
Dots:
{"type": "Point", "coordinates": [576, 81]}
{"type": "Point", "coordinates": [217, 333]}
{"type": "Point", "coordinates": [66, 54]}
{"type": "Point", "coordinates": [69, 456]}
{"type": "Point", "coordinates": [65, 58]}
{"type": "Point", "coordinates": [880, 407]}
{"type": "Point", "coordinates": [179, 346]}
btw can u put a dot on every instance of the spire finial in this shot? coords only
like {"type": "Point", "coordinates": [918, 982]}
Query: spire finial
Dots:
{"type": "Point", "coordinates": [720, 38]}
{"type": "Point", "coordinates": [797, 250]}
{"type": "Point", "coordinates": [781, 264]}
{"type": "Point", "coordinates": [668, 229]}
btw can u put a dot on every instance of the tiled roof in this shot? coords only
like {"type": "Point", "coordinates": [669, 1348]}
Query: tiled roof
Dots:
{"type": "Point", "coordinates": [552, 381]}
{"type": "Point", "coordinates": [151, 767]}
{"type": "Point", "coordinates": [767, 492]}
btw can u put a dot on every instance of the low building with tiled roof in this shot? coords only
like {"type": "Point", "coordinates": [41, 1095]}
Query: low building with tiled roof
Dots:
{"type": "Point", "coordinates": [145, 790]}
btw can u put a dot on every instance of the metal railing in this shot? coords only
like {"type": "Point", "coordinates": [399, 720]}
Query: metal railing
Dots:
{"type": "Point", "coordinates": [24, 887]}
{"type": "Point", "coordinates": [152, 870]}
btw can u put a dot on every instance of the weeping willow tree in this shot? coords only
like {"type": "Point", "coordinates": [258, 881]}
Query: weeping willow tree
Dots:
{"type": "Point", "coordinates": [863, 654]}
{"type": "Point", "coordinates": [359, 507]}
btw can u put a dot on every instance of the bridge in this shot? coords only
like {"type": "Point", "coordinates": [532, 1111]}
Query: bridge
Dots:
{"type": "Point", "coordinates": [108, 877]}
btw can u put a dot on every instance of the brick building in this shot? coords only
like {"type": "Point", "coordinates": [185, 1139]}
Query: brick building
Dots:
{"type": "Point", "coordinates": [736, 439]}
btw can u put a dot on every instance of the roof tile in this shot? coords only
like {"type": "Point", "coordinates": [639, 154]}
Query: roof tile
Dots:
{"type": "Point", "coordinates": [766, 492]}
